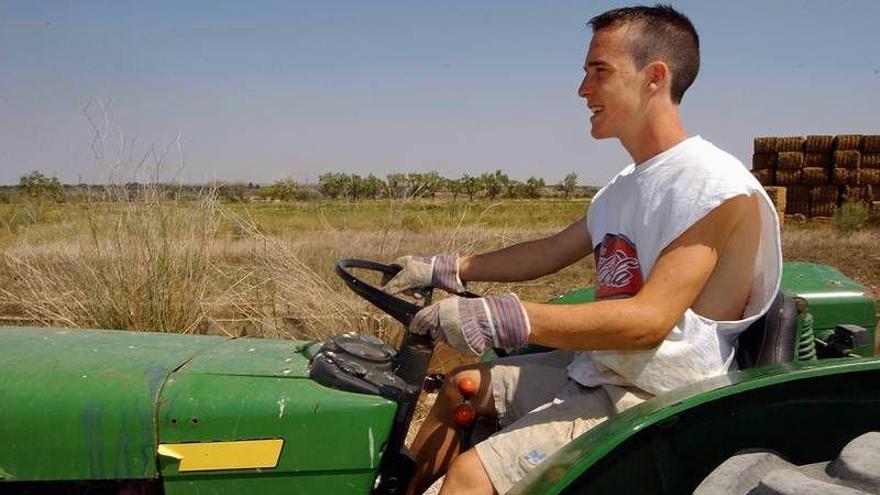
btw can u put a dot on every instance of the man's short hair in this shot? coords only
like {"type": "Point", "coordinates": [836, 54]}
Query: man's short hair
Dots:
{"type": "Point", "coordinates": [662, 34]}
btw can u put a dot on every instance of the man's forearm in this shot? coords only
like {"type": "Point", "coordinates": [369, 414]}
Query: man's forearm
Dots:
{"type": "Point", "coordinates": [528, 260]}
{"type": "Point", "coordinates": [622, 324]}
{"type": "Point", "coordinates": [525, 261]}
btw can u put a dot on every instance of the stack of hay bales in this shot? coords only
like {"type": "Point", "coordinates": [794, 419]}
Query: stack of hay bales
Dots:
{"type": "Point", "coordinates": [819, 172]}
{"type": "Point", "coordinates": [777, 196]}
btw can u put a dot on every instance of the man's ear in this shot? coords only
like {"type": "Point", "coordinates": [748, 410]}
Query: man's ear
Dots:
{"type": "Point", "coordinates": [657, 75]}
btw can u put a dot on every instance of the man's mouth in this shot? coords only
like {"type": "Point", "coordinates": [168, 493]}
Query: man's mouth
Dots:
{"type": "Point", "coordinates": [596, 111]}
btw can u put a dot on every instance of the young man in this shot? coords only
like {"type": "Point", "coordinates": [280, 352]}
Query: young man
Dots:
{"type": "Point", "coordinates": [687, 251]}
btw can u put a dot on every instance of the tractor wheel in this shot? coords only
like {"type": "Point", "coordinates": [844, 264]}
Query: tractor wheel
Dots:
{"type": "Point", "coordinates": [855, 471]}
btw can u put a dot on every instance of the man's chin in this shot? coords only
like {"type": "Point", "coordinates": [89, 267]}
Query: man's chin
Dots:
{"type": "Point", "coordinates": [598, 133]}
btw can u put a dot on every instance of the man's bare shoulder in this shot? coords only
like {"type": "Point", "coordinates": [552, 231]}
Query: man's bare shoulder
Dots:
{"type": "Point", "coordinates": [726, 293]}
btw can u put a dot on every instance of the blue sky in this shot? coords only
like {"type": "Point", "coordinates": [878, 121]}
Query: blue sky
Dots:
{"type": "Point", "coordinates": [264, 90]}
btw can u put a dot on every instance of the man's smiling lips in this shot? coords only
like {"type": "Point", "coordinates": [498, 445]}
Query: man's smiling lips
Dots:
{"type": "Point", "coordinates": [596, 109]}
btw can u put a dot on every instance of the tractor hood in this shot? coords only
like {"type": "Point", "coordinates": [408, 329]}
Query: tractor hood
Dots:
{"type": "Point", "coordinates": [108, 404]}
{"type": "Point", "coordinates": [80, 404]}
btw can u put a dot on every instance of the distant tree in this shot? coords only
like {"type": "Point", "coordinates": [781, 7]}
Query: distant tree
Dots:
{"type": "Point", "coordinates": [533, 187]}
{"type": "Point", "coordinates": [395, 185]}
{"type": "Point", "coordinates": [332, 185]}
{"type": "Point", "coordinates": [229, 191]}
{"type": "Point", "coordinates": [433, 182]}
{"type": "Point", "coordinates": [569, 184]}
{"type": "Point", "coordinates": [454, 186]}
{"type": "Point", "coordinates": [494, 183]}
{"type": "Point", "coordinates": [415, 185]}
{"type": "Point", "coordinates": [35, 185]}
{"type": "Point", "coordinates": [286, 189]}
{"type": "Point", "coordinates": [420, 184]}
{"type": "Point", "coordinates": [354, 186]}
{"type": "Point", "coordinates": [373, 186]}
{"type": "Point", "coordinates": [515, 189]}
{"type": "Point", "coordinates": [470, 185]}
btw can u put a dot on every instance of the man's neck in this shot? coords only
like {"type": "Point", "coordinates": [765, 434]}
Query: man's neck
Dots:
{"type": "Point", "coordinates": [656, 136]}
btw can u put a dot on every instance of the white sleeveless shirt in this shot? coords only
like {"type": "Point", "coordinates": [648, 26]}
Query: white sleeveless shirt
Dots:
{"type": "Point", "coordinates": [631, 220]}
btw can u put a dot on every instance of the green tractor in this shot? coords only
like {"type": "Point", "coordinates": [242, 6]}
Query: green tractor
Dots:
{"type": "Point", "coordinates": [101, 411]}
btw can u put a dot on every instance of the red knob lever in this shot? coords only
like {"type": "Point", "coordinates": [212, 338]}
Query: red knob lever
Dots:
{"type": "Point", "coordinates": [467, 387]}
{"type": "Point", "coordinates": [464, 414]}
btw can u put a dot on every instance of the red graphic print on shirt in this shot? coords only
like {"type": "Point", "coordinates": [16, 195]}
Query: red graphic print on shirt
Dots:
{"type": "Point", "coordinates": [618, 273]}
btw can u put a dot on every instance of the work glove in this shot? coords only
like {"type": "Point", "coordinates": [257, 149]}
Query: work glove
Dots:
{"type": "Point", "coordinates": [469, 325]}
{"type": "Point", "coordinates": [420, 272]}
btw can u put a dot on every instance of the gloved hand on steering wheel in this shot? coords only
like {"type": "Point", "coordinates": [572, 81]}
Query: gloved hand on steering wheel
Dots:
{"type": "Point", "coordinates": [421, 272]}
{"type": "Point", "coordinates": [469, 325]}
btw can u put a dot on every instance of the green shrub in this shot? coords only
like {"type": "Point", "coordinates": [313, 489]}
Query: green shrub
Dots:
{"type": "Point", "coordinates": [851, 216]}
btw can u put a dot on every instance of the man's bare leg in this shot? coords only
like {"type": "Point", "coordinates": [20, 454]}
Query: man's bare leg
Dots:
{"type": "Point", "coordinates": [437, 443]}
{"type": "Point", "coordinates": [467, 476]}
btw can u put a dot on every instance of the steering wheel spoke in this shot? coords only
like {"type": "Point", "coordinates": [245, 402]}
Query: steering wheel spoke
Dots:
{"type": "Point", "coordinates": [399, 309]}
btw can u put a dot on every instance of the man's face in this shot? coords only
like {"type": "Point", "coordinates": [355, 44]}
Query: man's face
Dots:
{"type": "Point", "coordinates": [612, 85]}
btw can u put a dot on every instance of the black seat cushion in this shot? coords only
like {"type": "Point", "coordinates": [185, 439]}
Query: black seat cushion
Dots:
{"type": "Point", "coordinates": [771, 338]}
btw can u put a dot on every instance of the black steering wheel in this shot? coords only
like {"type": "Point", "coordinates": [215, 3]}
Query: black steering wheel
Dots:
{"type": "Point", "coordinates": [399, 309]}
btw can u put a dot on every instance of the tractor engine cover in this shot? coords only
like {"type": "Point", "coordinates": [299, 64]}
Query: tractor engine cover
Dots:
{"type": "Point", "coordinates": [357, 363]}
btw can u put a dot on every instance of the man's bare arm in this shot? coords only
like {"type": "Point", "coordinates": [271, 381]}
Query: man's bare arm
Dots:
{"type": "Point", "coordinates": [644, 320]}
{"type": "Point", "coordinates": [529, 260]}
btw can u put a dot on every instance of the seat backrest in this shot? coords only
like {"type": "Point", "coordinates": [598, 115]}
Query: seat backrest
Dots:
{"type": "Point", "coordinates": [771, 338]}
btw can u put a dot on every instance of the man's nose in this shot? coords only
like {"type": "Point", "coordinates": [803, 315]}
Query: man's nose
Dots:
{"type": "Point", "coordinates": [584, 88]}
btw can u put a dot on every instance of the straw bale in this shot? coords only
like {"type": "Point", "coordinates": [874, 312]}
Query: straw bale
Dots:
{"type": "Point", "coordinates": [847, 159]}
{"type": "Point", "coordinates": [793, 143]}
{"type": "Point", "coordinates": [765, 176]}
{"type": "Point", "coordinates": [788, 177]}
{"type": "Point", "coordinates": [848, 142]}
{"type": "Point", "coordinates": [816, 176]}
{"type": "Point", "coordinates": [855, 193]}
{"type": "Point", "coordinates": [871, 144]}
{"type": "Point", "coordinates": [869, 176]}
{"type": "Point", "coordinates": [790, 160]}
{"type": "Point", "coordinates": [797, 193]}
{"type": "Point", "coordinates": [766, 144]}
{"type": "Point", "coordinates": [822, 144]}
{"type": "Point", "coordinates": [870, 160]}
{"type": "Point", "coordinates": [777, 196]}
{"type": "Point", "coordinates": [845, 176]}
{"type": "Point", "coordinates": [762, 161]}
{"type": "Point", "coordinates": [823, 194]}
{"type": "Point", "coordinates": [797, 207]}
{"type": "Point", "coordinates": [818, 159]}
{"type": "Point", "coordinates": [825, 209]}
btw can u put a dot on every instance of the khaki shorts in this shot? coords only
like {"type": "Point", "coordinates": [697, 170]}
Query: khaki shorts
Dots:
{"type": "Point", "coordinates": [540, 409]}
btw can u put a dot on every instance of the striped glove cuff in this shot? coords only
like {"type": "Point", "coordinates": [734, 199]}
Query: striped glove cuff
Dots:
{"type": "Point", "coordinates": [444, 273]}
{"type": "Point", "coordinates": [494, 321]}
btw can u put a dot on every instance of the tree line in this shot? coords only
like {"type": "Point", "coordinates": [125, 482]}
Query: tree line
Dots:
{"type": "Point", "coordinates": [341, 185]}
{"type": "Point", "coordinates": [420, 185]}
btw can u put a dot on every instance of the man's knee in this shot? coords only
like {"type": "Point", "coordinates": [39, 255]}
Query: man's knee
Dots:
{"type": "Point", "coordinates": [467, 475]}
{"type": "Point", "coordinates": [479, 373]}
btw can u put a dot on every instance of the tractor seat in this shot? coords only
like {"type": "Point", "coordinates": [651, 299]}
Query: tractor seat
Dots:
{"type": "Point", "coordinates": [771, 338]}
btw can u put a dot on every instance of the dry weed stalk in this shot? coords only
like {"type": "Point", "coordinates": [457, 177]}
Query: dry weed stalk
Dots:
{"type": "Point", "coordinates": [139, 265]}
{"type": "Point", "coordinates": [285, 297]}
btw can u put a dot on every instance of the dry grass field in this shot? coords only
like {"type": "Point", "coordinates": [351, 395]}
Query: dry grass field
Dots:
{"type": "Point", "coordinates": [266, 269]}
